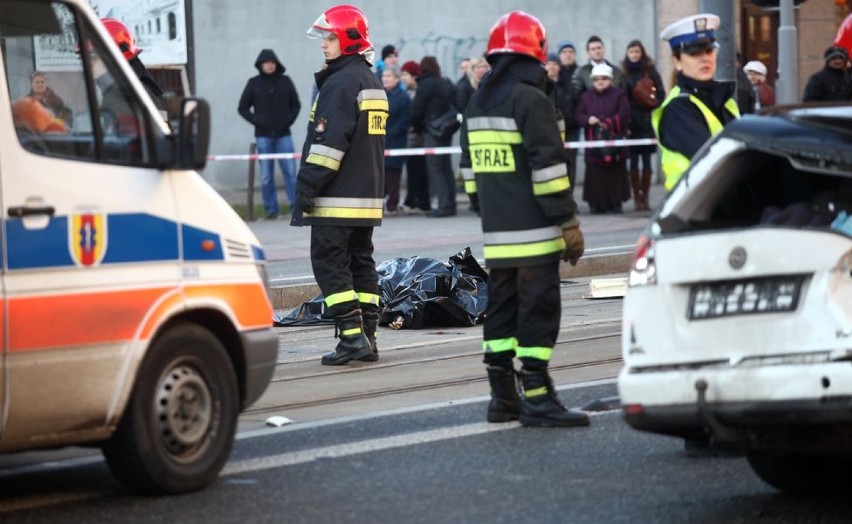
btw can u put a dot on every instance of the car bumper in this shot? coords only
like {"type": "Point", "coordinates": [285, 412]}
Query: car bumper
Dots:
{"type": "Point", "coordinates": [261, 354]}
{"type": "Point", "coordinates": [770, 396]}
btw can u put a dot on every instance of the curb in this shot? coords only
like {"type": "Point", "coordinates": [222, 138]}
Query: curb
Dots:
{"type": "Point", "coordinates": [288, 297]}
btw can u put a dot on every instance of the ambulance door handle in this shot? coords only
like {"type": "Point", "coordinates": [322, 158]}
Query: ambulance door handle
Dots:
{"type": "Point", "coordinates": [25, 211]}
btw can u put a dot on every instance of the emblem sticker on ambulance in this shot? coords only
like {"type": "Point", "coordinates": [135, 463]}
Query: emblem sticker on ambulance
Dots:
{"type": "Point", "coordinates": [87, 237]}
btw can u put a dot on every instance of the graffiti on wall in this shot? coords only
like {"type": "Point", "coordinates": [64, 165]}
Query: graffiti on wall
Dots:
{"type": "Point", "coordinates": [449, 50]}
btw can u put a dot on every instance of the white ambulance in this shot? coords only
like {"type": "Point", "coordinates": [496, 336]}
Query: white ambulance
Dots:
{"type": "Point", "coordinates": [135, 314]}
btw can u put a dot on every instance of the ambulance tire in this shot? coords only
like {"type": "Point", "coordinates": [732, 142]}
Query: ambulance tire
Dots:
{"type": "Point", "coordinates": [178, 429]}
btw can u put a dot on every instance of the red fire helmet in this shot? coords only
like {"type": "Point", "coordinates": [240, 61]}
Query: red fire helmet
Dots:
{"type": "Point", "coordinates": [518, 32]}
{"type": "Point", "coordinates": [122, 37]}
{"type": "Point", "coordinates": [844, 35]}
{"type": "Point", "coordinates": [348, 24]}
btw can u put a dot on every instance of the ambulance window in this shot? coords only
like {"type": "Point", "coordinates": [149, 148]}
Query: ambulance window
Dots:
{"type": "Point", "coordinates": [68, 97]}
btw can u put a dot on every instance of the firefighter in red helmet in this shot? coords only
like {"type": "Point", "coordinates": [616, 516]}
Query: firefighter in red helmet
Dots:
{"type": "Point", "coordinates": [126, 42]}
{"type": "Point", "coordinates": [529, 221]}
{"type": "Point", "coordinates": [340, 184]}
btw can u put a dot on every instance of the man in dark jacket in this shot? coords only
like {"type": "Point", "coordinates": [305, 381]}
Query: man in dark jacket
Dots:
{"type": "Point", "coordinates": [510, 141]}
{"type": "Point", "coordinates": [582, 77]}
{"type": "Point", "coordinates": [341, 181]}
{"type": "Point", "coordinates": [399, 121]}
{"type": "Point", "coordinates": [435, 97]}
{"type": "Point", "coordinates": [832, 83]}
{"type": "Point", "coordinates": [270, 103]}
{"type": "Point", "coordinates": [565, 99]}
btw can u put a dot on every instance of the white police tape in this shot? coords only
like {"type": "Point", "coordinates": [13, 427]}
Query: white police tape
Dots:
{"type": "Point", "coordinates": [419, 151]}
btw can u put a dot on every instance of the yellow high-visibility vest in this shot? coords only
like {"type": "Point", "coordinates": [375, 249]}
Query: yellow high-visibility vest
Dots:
{"type": "Point", "coordinates": [675, 163]}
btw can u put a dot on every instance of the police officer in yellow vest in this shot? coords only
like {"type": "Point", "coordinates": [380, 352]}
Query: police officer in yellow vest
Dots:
{"type": "Point", "coordinates": [513, 158]}
{"type": "Point", "coordinates": [698, 107]}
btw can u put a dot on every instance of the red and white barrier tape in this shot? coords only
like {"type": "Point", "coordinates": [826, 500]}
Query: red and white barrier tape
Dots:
{"type": "Point", "coordinates": [418, 151]}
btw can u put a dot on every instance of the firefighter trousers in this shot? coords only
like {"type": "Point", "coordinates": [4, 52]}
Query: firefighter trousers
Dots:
{"type": "Point", "coordinates": [523, 313]}
{"type": "Point", "coordinates": [342, 261]}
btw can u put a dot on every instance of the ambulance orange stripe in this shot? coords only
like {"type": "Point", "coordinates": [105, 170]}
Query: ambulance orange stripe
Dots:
{"type": "Point", "coordinates": [249, 301]}
{"type": "Point", "coordinates": [46, 322]}
{"type": "Point", "coordinates": [78, 319]}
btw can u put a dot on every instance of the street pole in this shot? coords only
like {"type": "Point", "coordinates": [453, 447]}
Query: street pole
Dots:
{"type": "Point", "coordinates": [787, 85]}
{"type": "Point", "coordinates": [727, 58]}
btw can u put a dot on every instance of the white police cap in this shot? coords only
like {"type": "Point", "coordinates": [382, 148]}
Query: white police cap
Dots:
{"type": "Point", "coordinates": [692, 33]}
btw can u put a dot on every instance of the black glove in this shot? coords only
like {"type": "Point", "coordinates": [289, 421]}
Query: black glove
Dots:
{"type": "Point", "coordinates": [574, 242]}
{"type": "Point", "coordinates": [305, 203]}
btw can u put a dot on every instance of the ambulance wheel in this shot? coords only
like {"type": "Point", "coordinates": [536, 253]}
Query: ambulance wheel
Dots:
{"type": "Point", "coordinates": [178, 428]}
{"type": "Point", "coordinates": [801, 473]}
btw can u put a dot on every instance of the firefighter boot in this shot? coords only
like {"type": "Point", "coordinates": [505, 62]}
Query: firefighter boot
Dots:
{"type": "Point", "coordinates": [646, 187]}
{"type": "Point", "coordinates": [541, 406]}
{"type": "Point", "coordinates": [638, 199]}
{"type": "Point", "coordinates": [505, 405]}
{"type": "Point", "coordinates": [371, 324]}
{"type": "Point", "coordinates": [353, 343]}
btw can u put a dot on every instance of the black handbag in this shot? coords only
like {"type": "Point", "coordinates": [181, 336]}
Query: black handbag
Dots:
{"type": "Point", "coordinates": [609, 154]}
{"type": "Point", "coordinates": [443, 127]}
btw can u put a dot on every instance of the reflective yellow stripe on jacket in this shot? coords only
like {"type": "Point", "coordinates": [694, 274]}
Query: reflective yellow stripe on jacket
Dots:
{"type": "Point", "coordinates": [491, 140]}
{"type": "Point", "coordinates": [325, 156]}
{"type": "Point", "coordinates": [342, 207]}
{"type": "Point", "coordinates": [522, 244]}
{"type": "Point", "coordinates": [674, 163]}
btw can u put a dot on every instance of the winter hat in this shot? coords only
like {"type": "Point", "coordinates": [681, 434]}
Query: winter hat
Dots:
{"type": "Point", "coordinates": [563, 44]}
{"type": "Point", "coordinates": [389, 50]}
{"type": "Point", "coordinates": [412, 68]}
{"type": "Point", "coordinates": [835, 52]}
{"type": "Point", "coordinates": [755, 66]}
{"type": "Point", "coordinates": [601, 70]}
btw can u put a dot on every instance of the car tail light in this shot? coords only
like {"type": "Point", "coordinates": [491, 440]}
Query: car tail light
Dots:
{"type": "Point", "coordinates": [634, 409]}
{"type": "Point", "coordinates": [643, 267]}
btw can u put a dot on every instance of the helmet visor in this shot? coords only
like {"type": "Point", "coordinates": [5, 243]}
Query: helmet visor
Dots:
{"type": "Point", "coordinates": [320, 28]}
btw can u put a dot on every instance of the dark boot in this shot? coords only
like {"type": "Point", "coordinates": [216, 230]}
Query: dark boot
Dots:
{"type": "Point", "coordinates": [505, 405]}
{"type": "Point", "coordinates": [371, 324]}
{"type": "Point", "coordinates": [637, 190]}
{"type": "Point", "coordinates": [646, 187]}
{"type": "Point", "coordinates": [353, 343]}
{"type": "Point", "coordinates": [541, 406]}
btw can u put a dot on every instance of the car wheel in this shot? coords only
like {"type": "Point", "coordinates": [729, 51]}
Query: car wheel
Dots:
{"type": "Point", "coordinates": [178, 429]}
{"type": "Point", "coordinates": [801, 473]}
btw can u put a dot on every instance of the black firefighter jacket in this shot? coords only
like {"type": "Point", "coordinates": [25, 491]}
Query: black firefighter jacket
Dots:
{"type": "Point", "coordinates": [513, 153]}
{"type": "Point", "coordinates": [270, 102]}
{"type": "Point", "coordinates": [343, 164]}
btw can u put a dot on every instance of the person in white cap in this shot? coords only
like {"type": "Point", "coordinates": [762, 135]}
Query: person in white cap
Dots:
{"type": "Point", "coordinates": [698, 107]}
{"type": "Point", "coordinates": [604, 113]}
{"type": "Point", "coordinates": [765, 94]}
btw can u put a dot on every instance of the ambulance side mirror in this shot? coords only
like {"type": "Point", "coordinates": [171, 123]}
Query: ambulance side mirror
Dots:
{"type": "Point", "coordinates": [193, 134]}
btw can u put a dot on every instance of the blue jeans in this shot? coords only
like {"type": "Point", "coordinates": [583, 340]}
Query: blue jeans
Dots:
{"type": "Point", "coordinates": [267, 145]}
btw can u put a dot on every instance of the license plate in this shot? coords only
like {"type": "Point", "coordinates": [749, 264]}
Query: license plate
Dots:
{"type": "Point", "coordinates": [744, 297]}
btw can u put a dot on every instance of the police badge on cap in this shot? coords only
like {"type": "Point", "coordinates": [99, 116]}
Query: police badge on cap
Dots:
{"type": "Point", "coordinates": [693, 33]}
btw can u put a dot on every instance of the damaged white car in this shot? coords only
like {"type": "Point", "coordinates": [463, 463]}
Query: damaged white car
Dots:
{"type": "Point", "coordinates": [738, 317]}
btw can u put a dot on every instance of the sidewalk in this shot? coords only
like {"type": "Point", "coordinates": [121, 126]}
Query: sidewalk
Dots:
{"type": "Point", "coordinates": [609, 243]}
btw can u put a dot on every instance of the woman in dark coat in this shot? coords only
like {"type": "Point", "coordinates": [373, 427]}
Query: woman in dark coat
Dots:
{"type": "Point", "coordinates": [606, 107]}
{"type": "Point", "coordinates": [636, 66]}
{"type": "Point", "coordinates": [396, 136]}
{"type": "Point", "coordinates": [435, 96]}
